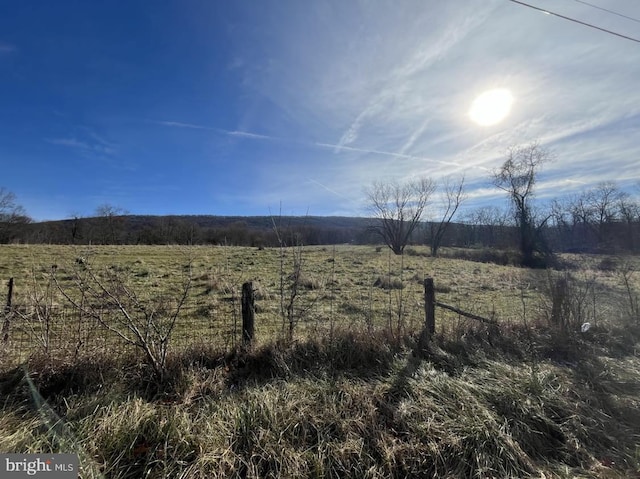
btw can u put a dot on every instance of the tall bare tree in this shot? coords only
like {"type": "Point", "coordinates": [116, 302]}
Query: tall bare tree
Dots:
{"type": "Point", "coordinates": [603, 201]}
{"type": "Point", "coordinates": [11, 214]}
{"type": "Point", "coordinates": [489, 225]}
{"type": "Point", "coordinates": [75, 226]}
{"type": "Point", "coordinates": [10, 211]}
{"type": "Point", "coordinates": [629, 211]}
{"type": "Point", "coordinates": [563, 222]}
{"type": "Point", "coordinates": [453, 195]}
{"type": "Point", "coordinates": [517, 177]}
{"type": "Point", "coordinates": [112, 219]}
{"type": "Point", "coordinates": [398, 208]}
{"type": "Point", "coordinates": [593, 212]}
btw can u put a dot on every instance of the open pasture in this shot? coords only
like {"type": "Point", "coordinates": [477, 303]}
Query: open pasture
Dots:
{"type": "Point", "coordinates": [347, 397]}
{"type": "Point", "coordinates": [306, 290]}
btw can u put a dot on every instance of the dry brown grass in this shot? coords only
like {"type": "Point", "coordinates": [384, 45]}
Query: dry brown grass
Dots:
{"type": "Point", "coordinates": [357, 406]}
{"type": "Point", "coordinates": [356, 400]}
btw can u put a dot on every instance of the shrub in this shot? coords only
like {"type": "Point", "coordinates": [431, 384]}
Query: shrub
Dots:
{"type": "Point", "coordinates": [566, 301]}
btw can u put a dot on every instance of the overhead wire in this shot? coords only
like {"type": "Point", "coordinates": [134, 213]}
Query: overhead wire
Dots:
{"type": "Point", "coordinates": [549, 12]}
{"type": "Point", "coordinates": [613, 12]}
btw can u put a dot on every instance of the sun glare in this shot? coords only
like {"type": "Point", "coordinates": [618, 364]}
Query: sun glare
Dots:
{"type": "Point", "coordinates": [491, 107]}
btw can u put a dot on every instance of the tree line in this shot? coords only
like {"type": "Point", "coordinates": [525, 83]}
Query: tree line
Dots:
{"type": "Point", "coordinates": [124, 228]}
{"type": "Point", "coordinates": [601, 219]}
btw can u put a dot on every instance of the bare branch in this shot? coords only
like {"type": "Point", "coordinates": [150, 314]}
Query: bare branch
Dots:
{"type": "Point", "coordinates": [145, 323]}
{"type": "Point", "coordinates": [453, 196]}
{"type": "Point", "coordinates": [398, 209]}
{"type": "Point", "coordinates": [517, 177]}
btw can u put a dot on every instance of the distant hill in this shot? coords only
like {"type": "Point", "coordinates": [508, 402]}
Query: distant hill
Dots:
{"type": "Point", "coordinates": [258, 222]}
{"type": "Point", "coordinates": [612, 237]}
{"type": "Point", "coordinates": [196, 229]}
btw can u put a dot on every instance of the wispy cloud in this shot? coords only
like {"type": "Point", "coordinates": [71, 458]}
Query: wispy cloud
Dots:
{"type": "Point", "coordinates": [179, 124]}
{"type": "Point", "coordinates": [396, 92]}
{"type": "Point", "coordinates": [387, 153]}
{"type": "Point", "coordinates": [332, 146]}
{"type": "Point", "coordinates": [361, 93]}
{"type": "Point", "coordinates": [319, 100]}
{"type": "Point", "coordinates": [330, 190]}
{"type": "Point", "coordinates": [92, 146]}
{"type": "Point", "coordinates": [236, 133]}
{"type": "Point", "coordinates": [98, 145]}
{"type": "Point", "coordinates": [246, 134]}
{"type": "Point", "coordinates": [414, 136]}
{"type": "Point", "coordinates": [409, 100]}
{"type": "Point", "coordinates": [71, 142]}
{"type": "Point", "coordinates": [323, 145]}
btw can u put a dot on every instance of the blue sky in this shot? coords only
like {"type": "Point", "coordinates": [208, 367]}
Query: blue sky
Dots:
{"type": "Point", "coordinates": [236, 108]}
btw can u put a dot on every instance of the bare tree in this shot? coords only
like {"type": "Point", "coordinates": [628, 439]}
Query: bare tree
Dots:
{"type": "Point", "coordinates": [75, 226]}
{"type": "Point", "coordinates": [580, 210]}
{"type": "Point", "coordinates": [564, 226]}
{"type": "Point", "coordinates": [112, 217]}
{"type": "Point", "coordinates": [398, 208]}
{"type": "Point", "coordinates": [489, 224]}
{"type": "Point", "coordinates": [629, 211]}
{"type": "Point", "coordinates": [517, 177]}
{"type": "Point", "coordinates": [593, 212]}
{"type": "Point", "coordinates": [10, 211]}
{"type": "Point", "coordinates": [11, 214]}
{"type": "Point", "coordinates": [453, 195]}
{"type": "Point", "coordinates": [602, 201]}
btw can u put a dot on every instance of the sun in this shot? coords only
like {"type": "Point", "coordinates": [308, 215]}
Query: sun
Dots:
{"type": "Point", "coordinates": [491, 107]}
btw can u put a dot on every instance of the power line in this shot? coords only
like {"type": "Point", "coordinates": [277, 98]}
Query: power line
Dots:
{"type": "Point", "coordinates": [576, 21]}
{"type": "Point", "coordinates": [608, 11]}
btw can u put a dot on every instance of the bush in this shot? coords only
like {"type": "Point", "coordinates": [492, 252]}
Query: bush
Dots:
{"type": "Point", "coordinates": [567, 301]}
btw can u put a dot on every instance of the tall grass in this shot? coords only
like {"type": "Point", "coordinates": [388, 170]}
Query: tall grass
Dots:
{"type": "Point", "coordinates": [354, 406]}
{"type": "Point", "coordinates": [364, 400]}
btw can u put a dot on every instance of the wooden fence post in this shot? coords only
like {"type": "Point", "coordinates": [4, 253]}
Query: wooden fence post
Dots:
{"type": "Point", "coordinates": [9, 296]}
{"type": "Point", "coordinates": [7, 312]}
{"type": "Point", "coordinates": [248, 313]}
{"type": "Point", "coordinates": [429, 306]}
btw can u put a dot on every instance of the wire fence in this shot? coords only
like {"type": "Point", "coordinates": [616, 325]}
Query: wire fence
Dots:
{"type": "Point", "coordinates": [54, 328]}
{"type": "Point", "coordinates": [72, 311]}
{"type": "Point", "coordinates": [67, 332]}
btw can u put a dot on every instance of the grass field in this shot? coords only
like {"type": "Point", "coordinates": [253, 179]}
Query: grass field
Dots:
{"type": "Point", "coordinates": [347, 286]}
{"type": "Point", "coordinates": [350, 395]}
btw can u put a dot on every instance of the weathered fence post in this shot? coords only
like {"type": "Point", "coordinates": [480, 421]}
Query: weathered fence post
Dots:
{"type": "Point", "coordinates": [7, 313]}
{"type": "Point", "coordinates": [429, 306]}
{"type": "Point", "coordinates": [248, 313]}
{"type": "Point", "coordinates": [9, 296]}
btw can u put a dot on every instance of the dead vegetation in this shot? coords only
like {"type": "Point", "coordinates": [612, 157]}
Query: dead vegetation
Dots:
{"type": "Point", "coordinates": [532, 396]}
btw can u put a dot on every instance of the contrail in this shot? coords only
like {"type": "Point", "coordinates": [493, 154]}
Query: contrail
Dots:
{"type": "Point", "coordinates": [386, 153]}
{"type": "Point", "coordinates": [336, 148]}
{"type": "Point", "coordinates": [327, 188]}
{"type": "Point", "coordinates": [182, 125]}
{"type": "Point", "coordinates": [244, 134]}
